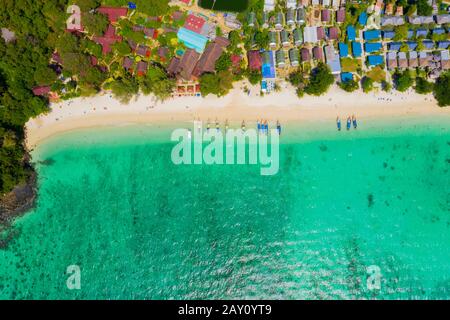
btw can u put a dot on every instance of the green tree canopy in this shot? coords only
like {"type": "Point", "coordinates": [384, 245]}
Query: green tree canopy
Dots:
{"type": "Point", "coordinates": [320, 80]}
{"type": "Point", "coordinates": [403, 80]}
{"type": "Point", "coordinates": [441, 89]}
{"type": "Point", "coordinates": [218, 84]}
{"type": "Point", "coordinates": [423, 86]}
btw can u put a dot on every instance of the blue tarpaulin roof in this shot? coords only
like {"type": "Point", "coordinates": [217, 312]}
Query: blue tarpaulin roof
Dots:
{"type": "Point", "coordinates": [395, 46]}
{"type": "Point", "coordinates": [351, 33]}
{"type": "Point", "coordinates": [444, 44]}
{"type": "Point", "coordinates": [375, 60]}
{"type": "Point", "coordinates": [346, 76]}
{"type": "Point", "coordinates": [388, 34]}
{"type": "Point", "coordinates": [421, 33]}
{"type": "Point", "coordinates": [192, 39]}
{"type": "Point", "coordinates": [412, 45]}
{"type": "Point", "coordinates": [268, 68]}
{"type": "Point", "coordinates": [343, 49]}
{"type": "Point", "coordinates": [372, 47]}
{"type": "Point", "coordinates": [372, 34]}
{"type": "Point", "coordinates": [363, 18]}
{"type": "Point", "coordinates": [356, 48]}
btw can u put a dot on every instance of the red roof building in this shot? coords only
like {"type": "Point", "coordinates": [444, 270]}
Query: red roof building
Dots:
{"type": "Point", "coordinates": [194, 23]}
{"type": "Point", "coordinates": [41, 90]}
{"type": "Point", "coordinates": [110, 37]}
{"type": "Point", "coordinates": [142, 68]}
{"type": "Point", "coordinates": [254, 60]}
{"type": "Point", "coordinates": [113, 13]}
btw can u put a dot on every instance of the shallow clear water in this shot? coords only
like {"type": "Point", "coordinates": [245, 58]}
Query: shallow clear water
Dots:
{"type": "Point", "coordinates": [111, 202]}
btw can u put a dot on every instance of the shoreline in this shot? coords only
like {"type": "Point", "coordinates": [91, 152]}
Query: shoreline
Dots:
{"type": "Point", "coordinates": [105, 111]}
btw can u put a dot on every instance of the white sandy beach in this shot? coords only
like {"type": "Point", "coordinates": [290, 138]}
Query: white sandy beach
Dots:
{"type": "Point", "coordinates": [285, 106]}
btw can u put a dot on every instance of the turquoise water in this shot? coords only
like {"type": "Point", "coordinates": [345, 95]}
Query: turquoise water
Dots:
{"type": "Point", "coordinates": [111, 202]}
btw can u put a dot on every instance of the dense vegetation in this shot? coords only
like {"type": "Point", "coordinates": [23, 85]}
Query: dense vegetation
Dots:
{"type": "Point", "coordinates": [320, 80]}
{"type": "Point", "coordinates": [24, 64]}
{"type": "Point", "coordinates": [442, 89]}
{"type": "Point", "coordinates": [224, 5]}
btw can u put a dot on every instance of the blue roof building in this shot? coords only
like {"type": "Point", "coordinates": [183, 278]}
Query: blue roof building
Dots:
{"type": "Point", "coordinates": [372, 47]}
{"type": "Point", "coordinates": [375, 60]}
{"type": "Point", "coordinates": [428, 44]}
{"type": "Point", "coordinates": [351, 33]}
{"type": "Point", "coordinates": [343, 50]}
{"type": "Point", "coordinates": [346, 76]}
{"type": "Point", "coordinates": [439, 31]}
{"type": "Point", "coordinates": [410, 34]}
{"type": "Point", "coordinates": [421, 32]}
{"type": "Point", "coordinates": [268, 66]}
{"type": "Point", "coordinates": [356, 49]}
{"type": "Point", "coordinates": [412, 45]}
{"type": "Point", "coordinates": [192, 39]}
{"type": "Point", "coordinates": [388, 34]}
{"type": "Point", "coordinates": [443, 44]}
{"type": "Point", "coordinates": [363, 19]}
{"type": "Point", "coordinates": [372, 35]}
{"type": "Point", "coordinates": [394, 46]}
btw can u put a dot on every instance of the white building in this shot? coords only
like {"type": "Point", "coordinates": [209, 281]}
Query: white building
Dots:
{"type": "Point", "coordinates": [269, 5]}
{"type": "Point", "coordinates": [310, 35]}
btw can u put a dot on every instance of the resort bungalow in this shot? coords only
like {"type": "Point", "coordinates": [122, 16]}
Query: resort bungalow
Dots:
{"type": "Point", "coordinates": [421, 33]}
{"type": "Point", "coordinates": [394, 46]}
{"type": "Point", "coordinates": [301, 16]}
{"type": "Point", "coordinates": [284, 38]}
{"type": "Point", "coordinates": [351, 33]}
{"type": "Point", "coordinates": [326, 3]}
{"type": "Point", "coordinates": [315, 2]}
{"type": "Point", "coordinates": [336, 4]}
{"type": "Point", "coordinates": [326, 16]}
{"type": "Point", "coordinates": [143, 51]}
{"type": "Point", "coordinates": [280, 59]}
{"type": "Point", "coordinates": [251, 19]}
{"type": "Point", "coordinates": [443, 44]}
{"type": "Point", "coordinates": [362, 19]}
{"type": "Point", "coordinates": [128, 64]}
{"type": "Point", "coordinates": [413, 60]}
{"type": "Point", "coordinates": [411, 45]}
{"type": "Point", "coordinates": [269, 5]}
{"type": "Point", "coordinates": [333, 60]}
{"type": "Point", "coordinates": [142, 68]}
{"type": "Point", "coordinates": [187, 64]}
{"type": "Point", "coordinates": [371, 47]}
{"type": "Point", "coordinates": [428, 44]}
{"type": "Point", "coordinates": [391, 60]}
{"type": "Point", "coordinates": [424, 59]}
{"type": "Point", "coordinates": [298, 37]}
{"type": "Point", "coordinates": [340, 15]}
{"type": "Point", "coordinates": [291, 4]}
{"type": "Point", "coordinates": [320, 33]}
{"type": "Point", "coordinates": [392, 21]}
{"type": "Point", "coordinates": [208, 60]}
{"type": "Point", "coordinates": [421, 20]}
{"type": "Point", "coordinates": [343, 50]}
{"type": "Point", "coordinates": [294, 57]}
{"type": "Point", "coordinates": [402, 60]}
{"type": "Point", "coordinates": [273, 39]}
{"type": "Point", "coordinates": [290, 17]}
{"type": "Point", "coordinates": [305, 55]}
{"type": "Point", "coordinates": [438, 31]}
{"type": "Point", "coordinates": [333, 33]}
{"type": "Point", "coordinates": [318, 53]}
{"type": "Point", "coordinates": [387, 35]}
{"type": "Point", "coordinates": [310, 35]}
{"type": "Point", "coordinates": [254, 60]}
{"type": "Point", "coordinates": [346, 76]}
{"type": "Point", "coordinates": [356, 49]}
{"type": "Point", "coordinates": [375, 60]}
{"type": "Point", "coordinates": [443, 18]}
{"type": "Point", "coordinates": [371, 35]}
{"type": "Point", "coordinates": [279, 21]}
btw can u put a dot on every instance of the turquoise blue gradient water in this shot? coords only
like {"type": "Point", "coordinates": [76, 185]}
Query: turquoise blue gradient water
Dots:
{"type": "Point", "coordinates": [112, 202]}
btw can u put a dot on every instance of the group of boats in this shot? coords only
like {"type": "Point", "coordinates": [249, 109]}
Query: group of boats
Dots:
{"type": "Point", "coordinates": [350, 121]}
{"type": "Point", "coordinates": [262, 126]}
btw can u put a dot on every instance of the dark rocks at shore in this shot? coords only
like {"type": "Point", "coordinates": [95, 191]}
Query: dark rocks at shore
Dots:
{"type": "Point", "coordinates": [12, 205]}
